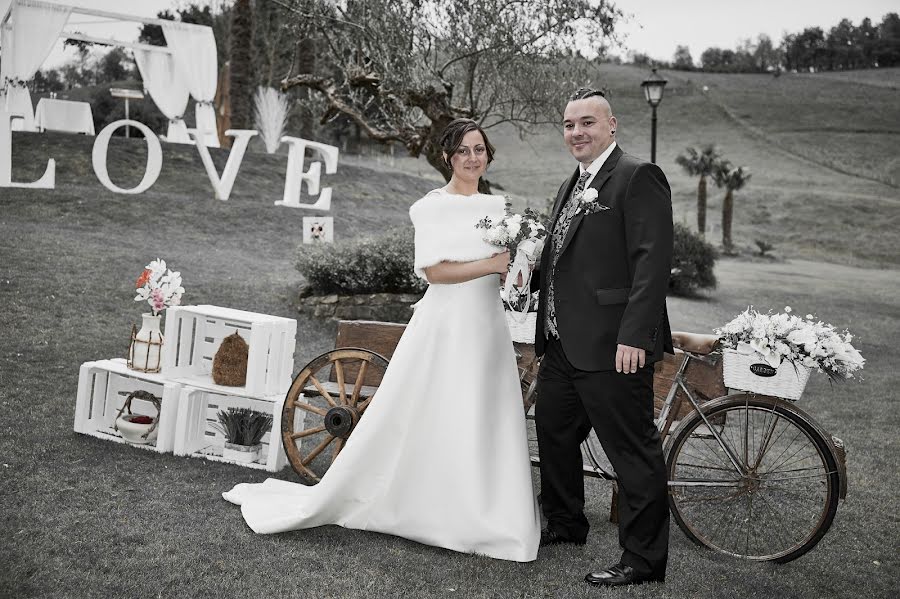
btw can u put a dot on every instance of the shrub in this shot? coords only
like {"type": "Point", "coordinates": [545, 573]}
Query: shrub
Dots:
{"type": "Point", "coordinates": [692, 263]}
{"type": "Point", "coordinates": [384, 264]}
{"type": "Point", "coordinates": [381, 264]}
{"type": "Point", "coordinates": [764, 247]}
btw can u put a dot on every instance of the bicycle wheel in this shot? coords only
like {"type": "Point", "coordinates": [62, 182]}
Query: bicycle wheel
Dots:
{"type": "Point", "coordinates": [756, 479]}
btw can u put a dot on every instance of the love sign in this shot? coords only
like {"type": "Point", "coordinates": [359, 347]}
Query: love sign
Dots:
{"type": "Point", "coordinates": [222, 184]}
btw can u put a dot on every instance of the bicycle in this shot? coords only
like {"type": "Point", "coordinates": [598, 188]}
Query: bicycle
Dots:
{"type": "Point", "coordinates": [751, 476]}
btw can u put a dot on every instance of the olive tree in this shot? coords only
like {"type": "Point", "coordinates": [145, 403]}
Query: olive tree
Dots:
{"type": "Point", "coordinates": [403, 69]}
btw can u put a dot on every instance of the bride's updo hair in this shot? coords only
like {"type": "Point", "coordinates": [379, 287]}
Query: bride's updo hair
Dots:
{"type": "Point", "coordinates": [452, 138]}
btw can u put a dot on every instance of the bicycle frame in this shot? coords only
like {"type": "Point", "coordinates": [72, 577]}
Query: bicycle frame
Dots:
{"type": "Point", "coordinates": [664, 422]}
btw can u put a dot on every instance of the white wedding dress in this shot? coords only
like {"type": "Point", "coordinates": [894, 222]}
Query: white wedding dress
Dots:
{"type": "Point", "coordinates": [441, 455]}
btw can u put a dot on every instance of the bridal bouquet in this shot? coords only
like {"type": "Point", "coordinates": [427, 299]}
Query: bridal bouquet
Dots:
{"type": "Point", "coordinates": [523, 235]}
{"type": "Point", "coordinates": [802, 341]}
{"type": "Point", "coordinates": [159, 287]}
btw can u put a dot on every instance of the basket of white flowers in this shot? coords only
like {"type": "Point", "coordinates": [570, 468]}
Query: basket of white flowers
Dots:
{"type": "Point", "coordinates": [773, 354]}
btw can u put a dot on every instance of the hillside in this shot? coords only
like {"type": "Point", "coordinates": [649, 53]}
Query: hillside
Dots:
{"type": "Point", "coordinates": [821, 149]}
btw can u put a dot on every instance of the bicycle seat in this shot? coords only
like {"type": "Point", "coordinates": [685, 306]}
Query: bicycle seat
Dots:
{"type": "Point", "coordinates": [694, 343]}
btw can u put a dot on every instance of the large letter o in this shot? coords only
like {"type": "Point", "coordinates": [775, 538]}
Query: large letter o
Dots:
{"type": "Point", "coordinates": [154, 157]}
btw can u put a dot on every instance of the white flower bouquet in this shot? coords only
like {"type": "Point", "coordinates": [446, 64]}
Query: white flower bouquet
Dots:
{"type": "Point", "coordinates": [806, 342]}
{"type": "Point", "coordinates": [523, 235]}
{"type": "Point", "coordinates": [516, 232]}
{"type": "Point", "coordinates": [159, 287]}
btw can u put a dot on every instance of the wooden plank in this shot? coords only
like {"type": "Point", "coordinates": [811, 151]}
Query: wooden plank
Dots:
{"type": "Point", "coordinates": [378, 337]}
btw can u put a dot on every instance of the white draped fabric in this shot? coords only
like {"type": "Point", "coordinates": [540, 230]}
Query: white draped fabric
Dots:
{"type": "Point", "coordinates": [194, 49]}
{"type": "Point", "coordinates": [27, 39]}
{"type": "Point", "coordinates": [63, 115]}
{"type": "Point", "coordinates": [168, 88]}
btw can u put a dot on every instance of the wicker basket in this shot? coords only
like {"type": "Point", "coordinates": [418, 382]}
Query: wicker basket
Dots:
{"type": "Point", "coordinates": [521, 327]}
{"type": "Point", "coordinates": [749, 372]}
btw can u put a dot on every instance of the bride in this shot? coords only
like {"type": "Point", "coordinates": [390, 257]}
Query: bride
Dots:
{"type": "Point", "coordinates": [441, 456]}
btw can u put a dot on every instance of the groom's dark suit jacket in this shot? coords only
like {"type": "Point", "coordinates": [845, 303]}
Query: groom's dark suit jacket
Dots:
{"type": "Point", "coordinates": [613, 269]}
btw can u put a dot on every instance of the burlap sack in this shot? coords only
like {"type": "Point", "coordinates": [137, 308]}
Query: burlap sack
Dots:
{"type": "Point", "coordinates": [230, 362]}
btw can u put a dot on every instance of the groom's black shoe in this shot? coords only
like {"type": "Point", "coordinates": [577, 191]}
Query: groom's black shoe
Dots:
{"type": "Point", "coordinates": [620, 575]}
{"type": "Point", "coordinates": [551, 537]}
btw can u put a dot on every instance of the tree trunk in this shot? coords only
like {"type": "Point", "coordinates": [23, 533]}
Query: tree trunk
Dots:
{"type": "Point", "coordinates": [223, 106]}
{"type": "Point", "coordinates": [242, 65]}
{"type": "Point", "coordinates": [306, 64]}
{"type": "Point", "coordinates": [435, 158]}
{"type": "Point", "coordinates": [701, 207]}
{"type": "Point", "coordinates": [727, 213]}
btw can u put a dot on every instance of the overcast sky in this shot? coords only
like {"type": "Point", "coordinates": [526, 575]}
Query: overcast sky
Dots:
{"type": "Point", "coordinates": [654, 27]}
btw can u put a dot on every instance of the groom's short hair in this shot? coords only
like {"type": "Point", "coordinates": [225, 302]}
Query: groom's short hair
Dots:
{"type": "Point", "coordinates": [583, 93]}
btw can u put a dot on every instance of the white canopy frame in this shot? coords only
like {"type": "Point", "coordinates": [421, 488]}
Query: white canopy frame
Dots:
{"type": "Point", "coordinates": [8, 7]}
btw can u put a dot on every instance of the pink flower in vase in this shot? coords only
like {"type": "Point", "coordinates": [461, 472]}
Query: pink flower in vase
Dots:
{"type": "Point", "coordinates": [158, 300]}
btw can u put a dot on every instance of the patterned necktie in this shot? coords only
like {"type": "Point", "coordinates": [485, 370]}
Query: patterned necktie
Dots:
{"type": "Point", "coordinates": [566, 213]}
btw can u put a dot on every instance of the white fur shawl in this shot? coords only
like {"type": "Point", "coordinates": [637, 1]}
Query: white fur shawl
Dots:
{"type": "Point", "coordinates": [445, 227]}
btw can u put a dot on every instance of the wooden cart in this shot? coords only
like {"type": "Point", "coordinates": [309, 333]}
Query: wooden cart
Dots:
{"type": "Point", "coordinates": [332, 392]}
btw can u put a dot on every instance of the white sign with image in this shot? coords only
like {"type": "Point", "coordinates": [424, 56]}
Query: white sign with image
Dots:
{"type": "Point", "coordinates": [318, 229]}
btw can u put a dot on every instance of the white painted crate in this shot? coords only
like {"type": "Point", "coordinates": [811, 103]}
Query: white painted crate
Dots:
{"type": "Point", "coordinates": [193, 335]}
{"type": "Point", "coordinates": [102, 389]}
{"type": "Point", "coordinates": [197, 437]}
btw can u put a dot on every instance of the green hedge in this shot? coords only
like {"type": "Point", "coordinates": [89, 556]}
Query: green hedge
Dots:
{"type": "Point", "coordinates": [385, 265]}
{"type": "Point", "coordinates": [692, 263]}
{"type": "Point", "coordinates": [370, 265]}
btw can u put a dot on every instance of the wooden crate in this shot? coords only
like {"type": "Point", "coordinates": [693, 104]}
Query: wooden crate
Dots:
{"type": "Point", "coordinates": [193, 335]}
{"type": "Point", "coordinates": [197, 437]}
{"type": "Point", "coordinates": [703, 378]}
{"type": "Point", "coordinates": [102, 389]}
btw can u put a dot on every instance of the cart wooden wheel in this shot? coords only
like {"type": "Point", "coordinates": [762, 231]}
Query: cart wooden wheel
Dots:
{"type": "Point", "coordinates": [324, 404]}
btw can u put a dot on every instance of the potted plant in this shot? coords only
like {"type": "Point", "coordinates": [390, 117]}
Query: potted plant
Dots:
{"type": "Point", "coordinates": [243, 429]}
{"type": "Point", "coordinates": [758, 347]}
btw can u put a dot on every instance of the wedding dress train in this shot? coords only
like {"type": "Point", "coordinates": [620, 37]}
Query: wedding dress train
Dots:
{"type": "Point", "coordinates": [441, 455]}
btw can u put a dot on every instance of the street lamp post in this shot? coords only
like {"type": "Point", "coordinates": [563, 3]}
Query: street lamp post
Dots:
{"type": "Point", "coordinates": [653, 92]}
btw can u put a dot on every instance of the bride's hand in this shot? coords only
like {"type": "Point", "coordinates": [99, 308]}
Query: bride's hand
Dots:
{"type": "Point", "coordinates": [499, 263]}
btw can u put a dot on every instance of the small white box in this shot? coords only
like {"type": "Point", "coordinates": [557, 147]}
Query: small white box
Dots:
{"type": "Point", "coordinates": [102, 389]}
{"type": "Point", "coordinates": [193, 335]}
{"type": "Point", "coordinates": [197, 437]}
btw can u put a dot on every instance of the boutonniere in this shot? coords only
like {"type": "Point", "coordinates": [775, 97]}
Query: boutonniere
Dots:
{"type": "Point", "coordinates": [589, 203]}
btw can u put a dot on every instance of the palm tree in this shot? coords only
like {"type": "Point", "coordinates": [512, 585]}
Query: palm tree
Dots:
{"type": "Point", "coordinates": [732, 179]}
{"type": "Point", "coordinates": [700, 163]}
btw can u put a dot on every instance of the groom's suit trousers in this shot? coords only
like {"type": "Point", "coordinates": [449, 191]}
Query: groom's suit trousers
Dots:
{"type": "Point", "coordinates": [619, 407]}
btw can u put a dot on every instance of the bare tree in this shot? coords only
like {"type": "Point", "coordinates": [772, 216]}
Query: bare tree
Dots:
{"type": "Point", "coordinates": [403, 69]}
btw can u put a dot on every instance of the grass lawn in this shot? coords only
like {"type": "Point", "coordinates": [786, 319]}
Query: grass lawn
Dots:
{"type": "Point", "coordinates": [83, 517]}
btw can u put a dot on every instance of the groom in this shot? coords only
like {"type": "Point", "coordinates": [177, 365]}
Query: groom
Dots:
{"type": "Point", "coordinates": [602, 324]}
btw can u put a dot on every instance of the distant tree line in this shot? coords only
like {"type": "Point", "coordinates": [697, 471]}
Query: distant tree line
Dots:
{"type": "Point", "coordinates": [844, 46]}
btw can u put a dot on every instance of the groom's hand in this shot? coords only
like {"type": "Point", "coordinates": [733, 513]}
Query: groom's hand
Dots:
{"type": "Point", "coordinates": [629, 359]}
